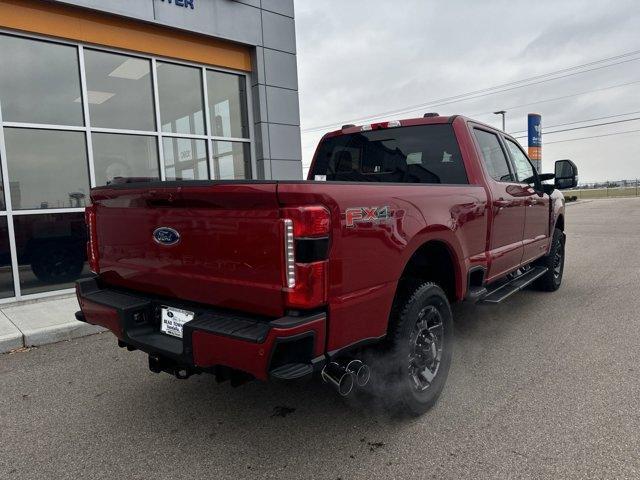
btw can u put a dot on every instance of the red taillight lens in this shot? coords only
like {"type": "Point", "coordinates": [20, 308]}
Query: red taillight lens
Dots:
{"type": "Point", "coordinates": [305, 274]}
{"type": "Point", "coordinates": [92, 243]}
{"type": "Point", "coordinates": [311, 286]}
{"type": "Point", "coordinates": [313, 221]}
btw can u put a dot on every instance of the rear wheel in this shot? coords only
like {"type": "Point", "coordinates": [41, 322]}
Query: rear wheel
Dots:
{"type": "Point", "coordinates": [554, 261]}
{"type": "Point", "coordinates": [415, 367]}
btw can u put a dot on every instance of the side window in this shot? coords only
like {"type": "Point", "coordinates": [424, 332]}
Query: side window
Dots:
{"type": "Point", "coordinates": [493, 155]}
{"type": "Point", "coordinates": [524, 169]}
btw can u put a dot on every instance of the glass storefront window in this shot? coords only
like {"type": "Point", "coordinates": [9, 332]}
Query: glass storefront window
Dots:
{"type": "Point", "coordinates": [181, 98]}
{"type": "Point", "coordinates": [39, 82]}
{"type": "Point", "coordinates": [185, 159]}
{"type": "Point", "coordinates": [119, 91]}
{"type": "Point", "coordinates": [6, 272]}
{"type": "Point", "coordinates": [51, 251]}
{"type": "Point", "coordinates": [230, 160]}
{"type": "Point", "coordinates": [51, 147]}
{"type": "Point", "coordinates": [47, 168]}
{"type": "Point", "coordinates": [117, 155]}
{"type": "Point", "coordinates": [226, 93]}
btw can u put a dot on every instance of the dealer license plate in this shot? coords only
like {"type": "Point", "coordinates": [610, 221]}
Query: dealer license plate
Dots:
{"type": "Point", "coordinates": [173, 319]}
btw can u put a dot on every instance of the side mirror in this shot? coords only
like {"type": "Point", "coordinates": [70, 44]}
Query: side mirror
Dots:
{"type": "Point", "coordinates": [566, 175]}
{"type": "Point", "coordinates": [547, 187]}
{"type": "Point", "coordinates": [546, 176]}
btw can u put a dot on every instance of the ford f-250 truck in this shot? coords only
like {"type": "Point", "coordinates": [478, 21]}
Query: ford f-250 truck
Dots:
{"type": "Point", "coordinates": [281, 279]}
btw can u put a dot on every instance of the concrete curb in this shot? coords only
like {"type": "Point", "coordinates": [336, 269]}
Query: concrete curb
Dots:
{"type": "Point", "coordinates": [42, 323]}
{"type": "Point", "coordinates": [10, 337]}
{"type": "Point", "coordinates": [11, 342]}
{"type": "Point", "coordinates": [59, 333]}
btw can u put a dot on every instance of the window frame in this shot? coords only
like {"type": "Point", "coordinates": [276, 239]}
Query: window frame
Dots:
{"type": "Point", "coordinates": [82, 92]}
{"type": "Point", "coordinates": [503, 147]}
{"type": "Point", "coordinates": [85, 82]}
{"type": "Point", "coordinates": [88, 130]}
{"type": "Point", "coordinates": [537, 183]}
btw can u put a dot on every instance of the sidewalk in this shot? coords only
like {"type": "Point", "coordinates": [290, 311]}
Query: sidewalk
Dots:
{"type": "Point", "coordinates": [41, 322]}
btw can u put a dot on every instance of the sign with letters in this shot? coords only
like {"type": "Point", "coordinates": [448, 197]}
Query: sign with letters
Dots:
{"type": "Point", "coordinates": [182, 3]}
{"type": "Point", "coordinates": [534, 123]}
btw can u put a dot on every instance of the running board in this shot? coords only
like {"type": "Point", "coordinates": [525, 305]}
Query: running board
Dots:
{"type": "Point", "coordinates": [292, 371]}
{"type": "Point", "coordinates": [505, 290]}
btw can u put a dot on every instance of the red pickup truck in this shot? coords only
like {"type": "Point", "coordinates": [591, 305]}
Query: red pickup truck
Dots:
{"type": "Point", "coordinates": [350, 273]}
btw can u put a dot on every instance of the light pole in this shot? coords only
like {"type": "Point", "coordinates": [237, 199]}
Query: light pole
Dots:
{"type": "Point", "coordinates": [503, 113]}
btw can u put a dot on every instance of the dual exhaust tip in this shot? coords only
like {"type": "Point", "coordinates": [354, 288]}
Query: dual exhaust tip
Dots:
{"type": "Point", "coordinates": [344, 376]}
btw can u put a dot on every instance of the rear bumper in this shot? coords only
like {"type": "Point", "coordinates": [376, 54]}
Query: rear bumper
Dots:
{"type": "Point", "coordinates": [252, 344]}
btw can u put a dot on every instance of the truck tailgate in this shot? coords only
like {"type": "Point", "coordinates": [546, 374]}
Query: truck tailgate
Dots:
{"type": "Point", "coordinates": [229, 252]}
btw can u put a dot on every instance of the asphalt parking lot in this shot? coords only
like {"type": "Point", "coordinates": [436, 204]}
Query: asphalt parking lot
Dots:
{"type": "Point", "coordinates": [544, 386]}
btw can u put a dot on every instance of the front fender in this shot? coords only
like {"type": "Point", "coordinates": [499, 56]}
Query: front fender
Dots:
{"type": "Point", "coordinates": [557, 212]}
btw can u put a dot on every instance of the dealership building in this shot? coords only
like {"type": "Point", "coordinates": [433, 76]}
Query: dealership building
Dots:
{"type": "Point", "coordinates": [92, 90]}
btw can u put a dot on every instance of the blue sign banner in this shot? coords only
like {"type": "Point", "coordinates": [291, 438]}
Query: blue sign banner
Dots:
{"type": "Point", "coordinates": [535, 130]}
{"type": "Point", "coordinates": [535, 137]}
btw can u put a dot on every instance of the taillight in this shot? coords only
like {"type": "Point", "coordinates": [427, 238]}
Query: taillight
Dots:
{"type": "Point", "coordinates": [309, 221]}
{"type": "Point", "coordinates": [289, 253]}
{"type": "Point", "coordinates": [306, 247]}
{"type": "Point", "coordinates": [92, 243]}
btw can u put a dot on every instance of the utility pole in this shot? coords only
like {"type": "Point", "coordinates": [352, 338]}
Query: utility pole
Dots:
{"type": "Point", "coordinates": [503, 113]}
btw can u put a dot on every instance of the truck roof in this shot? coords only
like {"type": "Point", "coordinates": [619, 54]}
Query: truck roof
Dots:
{"type": "Point", "coordinates": [409, 122]}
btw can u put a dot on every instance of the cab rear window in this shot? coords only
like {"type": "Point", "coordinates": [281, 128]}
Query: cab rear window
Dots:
{"type": "Point", "coordinates": [419, 154]}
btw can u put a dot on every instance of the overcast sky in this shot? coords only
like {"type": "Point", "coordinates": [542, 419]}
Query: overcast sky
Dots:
{"type": "Point", "coordinates": [359, 58]}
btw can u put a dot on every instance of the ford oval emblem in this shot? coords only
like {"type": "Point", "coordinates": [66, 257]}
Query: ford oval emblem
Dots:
{"type": "Point", "coordinates": [166, 236]}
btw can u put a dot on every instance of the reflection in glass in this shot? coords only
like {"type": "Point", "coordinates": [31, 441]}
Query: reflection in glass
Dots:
{"type": "Point", "coordinates": [6, 272]}
{"type": "Point", "coordinates": [39, 82]}
{"type": "Point", "coordinates": [2, 203]}
{"type": "Point", "coordinates": [231, 161]}
{"type": "Point", "coordinates": [51, 251]}
{"type": "Point", "coordinates": [181, 102]}
{"type": "Point", "coordinates": [119, 91]}
{"type": "Point", "coordinates": [185, 159]}
{"type": "Point", "coordinates": [124, 156]}
{"type": "Point", "coordinates": [47, 168]}
{"type": "Point", "coordinates": [493, 155]}
{"type": "Point", "coordinates": [227, 104]}
{"type": "Point", "coordinates": [524, 169]}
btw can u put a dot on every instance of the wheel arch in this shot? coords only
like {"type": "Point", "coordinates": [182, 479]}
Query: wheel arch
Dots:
{"type": "Point", "coordinates": [433, 261]}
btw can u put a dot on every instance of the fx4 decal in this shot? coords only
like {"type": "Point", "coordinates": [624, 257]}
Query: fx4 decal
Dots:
{"type": "Point", "coordinates": [366, 214]}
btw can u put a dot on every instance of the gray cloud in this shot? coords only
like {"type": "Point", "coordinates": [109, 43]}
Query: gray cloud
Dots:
{"type": "Point", "coordinates": [362, 57]}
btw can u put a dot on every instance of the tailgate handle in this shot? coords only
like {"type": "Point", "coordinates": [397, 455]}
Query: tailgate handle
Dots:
{"type": "Point", "coordinates": [157, 196]}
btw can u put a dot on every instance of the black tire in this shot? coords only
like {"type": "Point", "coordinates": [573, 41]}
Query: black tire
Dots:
{"type": "Point", "coordinates": [413, 348]}
{"type": "Point", "coordinates": [554, 261]}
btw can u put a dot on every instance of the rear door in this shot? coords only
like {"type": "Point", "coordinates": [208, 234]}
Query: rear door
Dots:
{"type": "Point", "coordinates": [508, 205]}
{"type": "Point", "coordinates": [536, 226]}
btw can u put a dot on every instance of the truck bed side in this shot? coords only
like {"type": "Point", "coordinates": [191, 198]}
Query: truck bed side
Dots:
{"type": "Point", "coordinates": [367, 260]}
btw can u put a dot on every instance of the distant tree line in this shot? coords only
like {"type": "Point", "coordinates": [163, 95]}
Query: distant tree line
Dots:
{"type": "Point", "coordinates": [609, 184]}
